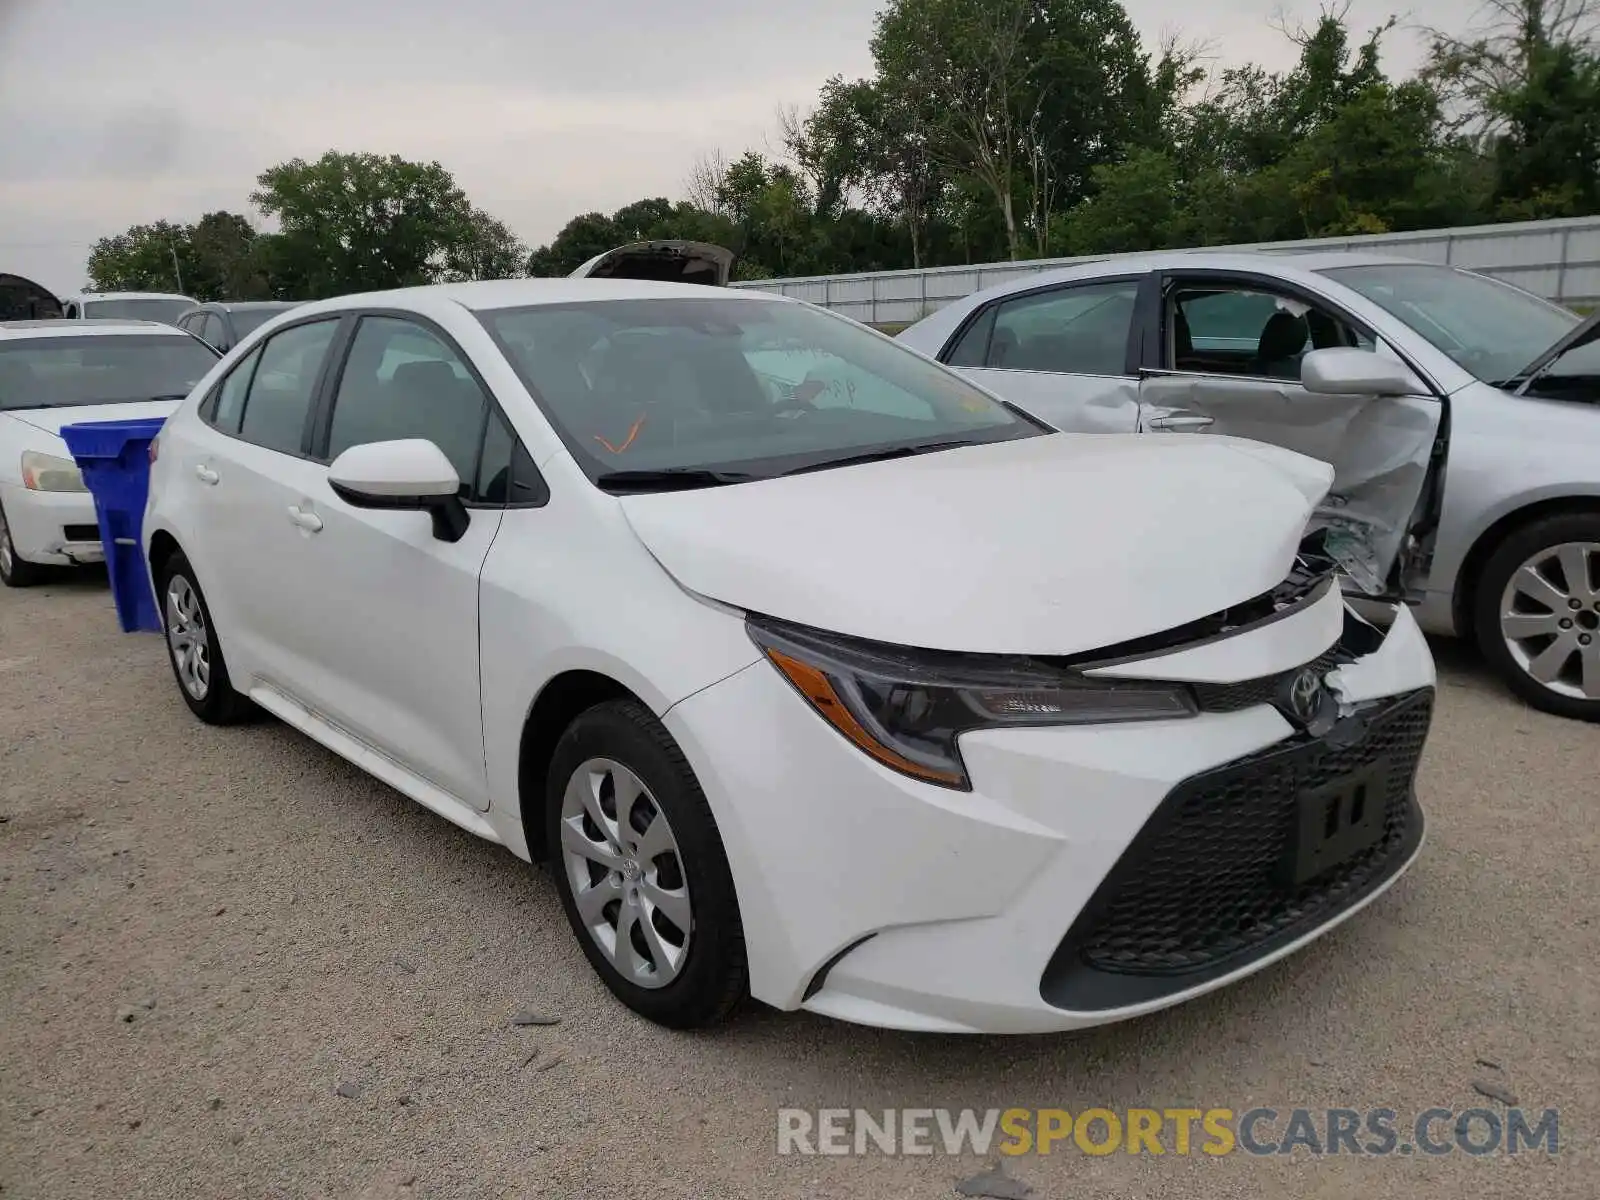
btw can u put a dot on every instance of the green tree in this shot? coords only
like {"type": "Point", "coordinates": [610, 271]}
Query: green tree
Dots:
{"type": "Point", "coordinates": [1526, 86]}
{"type": "Point", "coordinates": [215, 258]}
{"type": "Point", "coordinates": [363, 222]}
{"type": "Point", "coordinates": [1025, 97]}
{"type": "Point", "coordinates": [483, 248]}
{"type": "Point", "coordinates": [144, 258]}
{"type": "Point", "coordinates": [227, 264]}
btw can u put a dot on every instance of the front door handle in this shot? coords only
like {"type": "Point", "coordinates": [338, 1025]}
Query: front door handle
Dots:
{"type": "Point", "coordinates": [309, 521]}
{"type": "Point", "coordinates": [206, 475]}
{"type": "Point", "coordinates": [1179, 422]}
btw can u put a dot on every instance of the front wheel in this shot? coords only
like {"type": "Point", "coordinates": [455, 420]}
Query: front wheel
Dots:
{"type": "Point", "coordinates": [14, 570]}
{"type": "Point", "coordinates": [1537, 614]}
{"type": "Point", "coordinates": [641, 870]}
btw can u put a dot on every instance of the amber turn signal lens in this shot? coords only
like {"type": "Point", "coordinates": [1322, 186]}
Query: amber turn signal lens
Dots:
{"type": "Point", "coordinates": [816, 687]}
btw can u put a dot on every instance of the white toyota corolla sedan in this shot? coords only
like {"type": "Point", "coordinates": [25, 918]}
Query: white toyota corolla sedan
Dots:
{"type": "Point", "coordinates": [815, 672]}
{"type": "Point", "coordinates": [55, 373]}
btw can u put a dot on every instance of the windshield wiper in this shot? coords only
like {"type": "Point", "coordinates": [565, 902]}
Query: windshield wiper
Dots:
{"type": "Point", "coordinates": [667, 479]}
{"type": "Point", "coordinates": [871, 456]}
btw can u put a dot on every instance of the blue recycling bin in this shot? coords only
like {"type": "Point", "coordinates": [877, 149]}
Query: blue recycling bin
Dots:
{"type": "Point", "coordinates": [114, 457]}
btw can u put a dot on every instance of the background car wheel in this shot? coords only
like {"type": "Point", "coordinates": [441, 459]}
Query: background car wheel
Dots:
{"type": "Point", "coordinates": [641, 869]}
{"type": "Point", "coordinates": [193, 650]}
{"type": "Point", "coordinates": [14, 572]}
{"type": "Point", "coordinates": [1537, 614]}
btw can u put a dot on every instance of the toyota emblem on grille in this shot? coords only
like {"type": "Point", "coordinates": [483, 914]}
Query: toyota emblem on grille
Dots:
{"type": "Point", "coordinates": [1304, 696]}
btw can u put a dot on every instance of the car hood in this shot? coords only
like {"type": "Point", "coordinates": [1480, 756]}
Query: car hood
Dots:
{"type": "Point", "coordinates": [50, 420]}
{"type": "Point", "coordinates": [1057, 544]}
{"type": "Point", "coordinates": [1581, 334]}
{"type": "Point", "coordinates": [665, 261]}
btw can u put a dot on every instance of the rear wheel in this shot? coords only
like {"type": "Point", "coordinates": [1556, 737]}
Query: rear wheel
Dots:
{"type": "Point", "coordinates": [14, 571]}
{"type": "Point", "coordinates": [193, 649]}
{"type": "Point", "coordinates": [641, 869]}
{"type": "Point", "coordinates": [1537, 613]}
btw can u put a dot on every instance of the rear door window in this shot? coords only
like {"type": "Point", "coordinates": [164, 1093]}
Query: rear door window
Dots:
{"type": "Point", "coordinates": [284, 386]}
{"type": "Point", "coordinates": [226, 406]}
{"type": "Point", "coordinates": [1081, 329]}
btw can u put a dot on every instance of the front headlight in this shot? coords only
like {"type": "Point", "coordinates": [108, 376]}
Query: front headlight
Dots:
{"type": "Point", "coordinates": [907, 708]}
{"type": "Point", "coordinates": [47, 473]}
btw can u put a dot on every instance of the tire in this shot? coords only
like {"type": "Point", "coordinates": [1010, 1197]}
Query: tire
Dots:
{"type": "Point", "coordinates": [14, 571]}
{"type": "Point", "coordinates": [699, 981]}
{"type": "Point", "coordinates": [186, 625]}
{"type": "Point", "coordinates": [1512, 609]}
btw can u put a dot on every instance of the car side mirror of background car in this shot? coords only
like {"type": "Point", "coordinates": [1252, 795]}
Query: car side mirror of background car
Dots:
{"type": "Point", "coordinates": [1349, 371]}
{"type": "Point", "coordinates": [411, 473]}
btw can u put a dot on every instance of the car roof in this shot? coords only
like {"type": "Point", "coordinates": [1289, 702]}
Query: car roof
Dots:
{"type": "Point", "coordinates": [1218, 260]}
{"type": "Point", "coordinates": [245, 305]}
{"type": "Point", "coordinates": [934, 329]}
{"type": "Point", "coordinates": [487, 295]}
{"type": "Point", "coordinates": [82, 296]}
{"type": "Point", "coordinates": [94, 327]}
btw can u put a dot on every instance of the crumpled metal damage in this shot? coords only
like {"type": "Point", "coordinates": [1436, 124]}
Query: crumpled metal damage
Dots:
{"type": "Point", "coordinates": [1380, 449]}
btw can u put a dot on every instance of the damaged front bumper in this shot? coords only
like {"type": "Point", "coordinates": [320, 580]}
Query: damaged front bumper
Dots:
{"type": "Point", "coordinates": [54, 528]}
{"type": "Point", "coordinates": [1005, 909]}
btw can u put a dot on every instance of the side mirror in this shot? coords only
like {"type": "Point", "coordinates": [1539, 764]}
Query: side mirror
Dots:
{"type": "Point", "coordinates": [409, 474]}
{"type": "Point", "coordinates": [1348, 371]}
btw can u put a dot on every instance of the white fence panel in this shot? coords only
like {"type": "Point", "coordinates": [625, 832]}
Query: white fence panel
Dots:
{"type": "Point", "coordinates": [1557, 259]}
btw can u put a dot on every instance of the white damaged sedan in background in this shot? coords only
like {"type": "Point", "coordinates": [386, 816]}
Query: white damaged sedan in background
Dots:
{"type": "Point", "coordinates": [816, 673]}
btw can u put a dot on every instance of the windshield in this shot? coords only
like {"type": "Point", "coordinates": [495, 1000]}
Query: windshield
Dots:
{"type": "Point", "coordinates": [733, 385]}
{"type": "Point", "coordinates": [58, 372]}
{"type": "Point", "coordinates": [137, 309]}
{"type": "Point", "coordinates": [1489, 328]}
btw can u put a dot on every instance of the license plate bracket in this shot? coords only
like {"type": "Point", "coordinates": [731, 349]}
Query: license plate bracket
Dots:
{"type": "Point", "coordinates": [1336, 822]}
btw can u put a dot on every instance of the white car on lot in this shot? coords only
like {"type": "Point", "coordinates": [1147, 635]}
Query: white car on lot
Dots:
{"type": "Point", "coordinates": [55, 373]}
{"type": "Point", "coordinates": [165, 307]}
{"type": "Point", "coordinates": [815, 672]}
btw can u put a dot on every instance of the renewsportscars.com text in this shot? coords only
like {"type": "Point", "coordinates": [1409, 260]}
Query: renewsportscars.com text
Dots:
{"type": "Point", "coordinates": [1176, 1131]}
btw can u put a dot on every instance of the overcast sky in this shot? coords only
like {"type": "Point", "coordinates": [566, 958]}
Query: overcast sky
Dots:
{"type": "Point", "coordinates": [116, 112]}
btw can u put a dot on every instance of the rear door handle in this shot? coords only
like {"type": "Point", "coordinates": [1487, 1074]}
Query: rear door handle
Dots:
{"type": "Point", "coordinates": [1178, 422]}
{"type": "Point", "coordinates": [205, 474]}
{"type": "Point", "coordinates": [309, 521]}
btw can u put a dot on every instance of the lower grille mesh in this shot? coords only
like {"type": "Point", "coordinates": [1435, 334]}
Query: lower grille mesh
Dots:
{"type": "Point", "coordinates": [1201, 888]}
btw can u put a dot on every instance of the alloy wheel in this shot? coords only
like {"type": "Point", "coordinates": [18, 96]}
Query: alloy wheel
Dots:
{"type": "Point", "coordinates": [6, 560]}
{"type": "Point", "coordinates": [186, 634]}
{"type": "Point", "coordinates": [626, 871]}
{"type": "Point", "coordinates": [1550, 618]}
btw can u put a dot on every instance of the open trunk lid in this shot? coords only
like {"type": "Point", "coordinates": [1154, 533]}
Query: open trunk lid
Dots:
{"type": "Point", "coordinates": [663, 261]}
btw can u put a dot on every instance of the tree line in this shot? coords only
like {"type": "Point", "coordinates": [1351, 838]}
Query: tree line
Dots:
{"type": "Point", "coordinates": [994, 129]}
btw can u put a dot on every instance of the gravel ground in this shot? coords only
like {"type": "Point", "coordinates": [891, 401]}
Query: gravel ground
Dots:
{"type": "Point", "coordinates": [232, 965]}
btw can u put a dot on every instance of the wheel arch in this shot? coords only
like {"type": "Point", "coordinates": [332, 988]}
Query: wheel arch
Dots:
{"type": "Point", "coordinates": [162, 547]}
{"type": "Point", "coordinates": [559, 702]}
{"type": "Point", "coordinates": [1471, 570]}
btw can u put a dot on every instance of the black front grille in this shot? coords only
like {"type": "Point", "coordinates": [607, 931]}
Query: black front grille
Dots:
{"type": "Point", "coordinates": [1202, 891]}
{"type": "Point", "coordinates": [81, 533]}
{"type": "Point", "coordinates": [1231, 697]}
